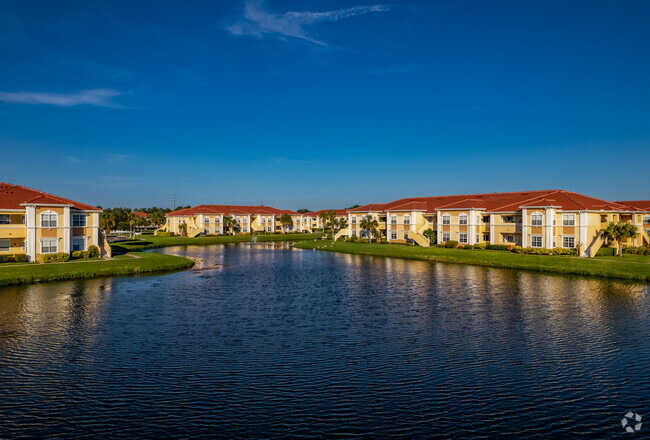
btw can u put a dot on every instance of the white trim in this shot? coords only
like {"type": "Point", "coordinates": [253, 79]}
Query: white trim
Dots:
{"type": "Point", "coordinates": [524, 229]}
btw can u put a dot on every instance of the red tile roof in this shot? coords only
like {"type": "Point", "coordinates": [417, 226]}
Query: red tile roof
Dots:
{"type": "Point", "coordinates": [639, 205]}
{"type": "Point", "coordinates": [141, 214]}
{"type": "Point", "coordinates": [339, 212]}
{"type": "Point", "coordinates": [499, 202]}
{"type": "Point", "coordinates": [16, 196]}
{"type": "Point", "coordinates": [228, 210]}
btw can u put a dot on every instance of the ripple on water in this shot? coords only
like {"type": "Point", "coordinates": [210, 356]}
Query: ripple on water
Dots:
{"type": "Point", "coordinates": [273, 342]}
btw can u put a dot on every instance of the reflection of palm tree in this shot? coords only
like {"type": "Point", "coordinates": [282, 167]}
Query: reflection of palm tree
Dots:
{"type": "Point", "coordinates": [369, 224]}
{"type": "Point", "coordinates": [619, 232]}
{"type": "Point", "coordinates": [230, 223]}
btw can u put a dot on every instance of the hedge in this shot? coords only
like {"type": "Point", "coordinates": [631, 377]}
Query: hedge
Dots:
{"type": "Point", "coordinates": [16, 258]}
{"type": "Point", "coordinates": [606, 252]}
{"type": "Point", "coordinates": [59, 258]}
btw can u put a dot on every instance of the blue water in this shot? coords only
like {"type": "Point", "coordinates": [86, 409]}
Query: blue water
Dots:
{"type": "Point", "coordinates": [271, 341]}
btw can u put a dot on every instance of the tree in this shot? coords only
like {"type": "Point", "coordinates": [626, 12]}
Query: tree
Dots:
{"type": "Point", "coordinates": [303, 211]}
{"type": "Point", "coordinates": [230, 223]}
{"type": "Point", "coordinates": [323, 219]}
{"type": "Point", "coordinates": [619, 232]}
{"type": "Point", "coordinates": [182, 229]}
{"type": "Point", "coordinates": [354, 206]}
{"type": "Point", "coordinates": [158, 218]}
{"type": "Point", "coordinates": [133, 219]}
{"type": "Point", "coordinates": [107, 222]}
{"type": "Point", "coordinates": [431, 235]}
{"type": "Point", "coordinates": [369, 225]}
{"type": "Point", "coordinates": [285, 220]}
{"type": "Point", "coordinates": [331, 222]}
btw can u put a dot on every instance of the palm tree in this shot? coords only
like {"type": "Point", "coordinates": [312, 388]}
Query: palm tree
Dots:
{"type": "Point", "coordinates": [133, 219]}
{"type": "Point", "coordinates": [369, 224]}
{"type": "Point", "coordinates": [323, 219]}
{"type": "Point", "coordinates": [182, 229]}
{"type": "Point", "coordinates": [431, 235]}
{"type": "Point", "coordinates": [331, 222]}
{"type": "Point", "coordinates": [285, 220]}
{"type": "Point", "coordinates": [158, 218]}
{"type": "Point", "coordinates": [107, 222]}
{"type": "Point", "coordinates": [619, 232]}
{"type": "Point", "coordinates": [230, 223]}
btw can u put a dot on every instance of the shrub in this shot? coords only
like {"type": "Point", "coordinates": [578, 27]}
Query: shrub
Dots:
{"type": "Point", "coordinates": [519, 250]}
{"type": "Point", "coordinates": [606, 252]}
{"type": "Point", "coordinates": [80, 254]}
{"type": "Point", "coordinates": [164, 234]}
{"type": "Point", "coordinates": [93, 251]}
{"type": "Point", "coordinates": [479, 246]}
{"type": "Point", "coordinates": [20, 258]}
{"type": "Point", "coordinates": [451, 244]}
{"type": "Point", "coordinates": [440, 245]}
{"type": "Point", "coordinates": [468, 246]}
{"type": "Point", "coordinates": [60, 257]}
{"type": "Point", "coordinates": [6, 259]}
{"type": "Point", "coordinates": [563, 251]}
{"type": "Point", "coordinates": [496, 247]}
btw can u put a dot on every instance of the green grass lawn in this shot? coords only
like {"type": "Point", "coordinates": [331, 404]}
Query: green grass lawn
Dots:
{"type": "Point", "coordinates": [122, 265]}
{"type": "Point", "coordinates": [625, 268]}
{"type": "Point", "coordinates": [152, 242]}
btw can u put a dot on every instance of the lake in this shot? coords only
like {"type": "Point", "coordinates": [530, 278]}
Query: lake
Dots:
{"type": "Point", "coordinates": [270, 341]}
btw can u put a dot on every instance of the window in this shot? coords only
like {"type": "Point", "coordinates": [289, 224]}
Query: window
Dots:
{"type": "Point", "coordinates": [217, 230]}
{"type": "Point", "coordinates": [22, 245]}
{"type": "Point", "coordinates": [354, 232]}
{"type": "Point", "coordinates": [478, 238]}
{"type": "Point", "coordinates": [554, 242]}
{"type": "Point", "coordinates": [407, 219]}
{"type": "Point", "coordinates": [486, 219]}
{"type": "Point", "coordinates": [603, 218]}
{"type": "Point", "coordinates": [646, 219]}
{"type": "Point", "coordinates": [536, 241]}
{"type": "Point", "coordinates": [508, 218]}
{"type": "Point", "coordinates": [245, 229]}
{"type": "Point", "coordinates": [49, 246]}
{"type": "Point", "coordinates": [22, 219]}
{"type": "Point", "coordinates": [568, 220]}
{"type": "Point", "coordinates": [478, 219]}
{"type": "Point", "coordinates": [206, 220]}
{"type": "Point", "coordinates": [78, 244]}
{"type": "Point", "coordinates": [5, 219]}
{"type": "Point", "coordinates": [5, 245]}
{"type": "Point", "coordinates": [393, 235]}
{"type": "Point", "coordinates": [462, 219]}
{"type": "Point", "coordinates": [393, 219]}
{"type": "Point", "coordinates": [568, 241]}
{"type": "Point", "coordinates": [536, 219]}
{"type": "Point", "coordinates": [446, 219]}
{"type": "Point", "coordinates": [238, 219]}
{"type": "Point", "coordinates": [353, 219]}
{"type": "Point", "coordinates": [509, 238]}
{"type": "Point", "coordinates": [245, 220]}
{"type": "Point", "coordinates": [486, 237]}
{"type": "Point", "coordinates": [406, 235]}
{"type": "Point", "coordinates": [216, 219]}
{"type": "Point", "coordinates": [49, 220]}
{"type": "Point", "coordinates": [446, 236]}
{"type": "Point", "coordinates": [79, 221]}
{"type": "Point", "coordinates": [462, 237]}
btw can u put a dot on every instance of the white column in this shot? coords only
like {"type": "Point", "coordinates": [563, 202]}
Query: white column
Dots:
{"type": "Point", "coordinates": [439, 227]}
{"type": "Point", "coordinates": [413, 221]}
{"type": "Point", "coordinates": [349, 225]}
{"type": "Point", "coordinates": [639, 227]}
{"type": "Point", "coordinates": [491, 228]}
{"type": "Point", "coordinates": [583, 232]}
{"type": "Point", "coordinates": [472, 227]}
{"type": "Point", "coordinates": [30, 240]}
{"type": "Point", "coordinates": [387, 226]}
{"type": "Point", "coordinates": [95, 227]}
{"type": "Point", "coordinates": [548, 229]}
{"type": "Point", "coordinates": [524, 228]}
{"type": "Point", "coordinates": [67, 239]}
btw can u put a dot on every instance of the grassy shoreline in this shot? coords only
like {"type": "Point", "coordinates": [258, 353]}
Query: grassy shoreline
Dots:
{"type": "Point", "coordinates": [628, 269]}
{"type": "Point", "coordinates": [137, 264]}
{"type": "Point", "coordinates": [154, 242]}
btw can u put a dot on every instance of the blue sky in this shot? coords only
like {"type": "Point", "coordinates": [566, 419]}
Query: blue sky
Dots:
{"type": "Point", "coordinates": [323, 104]}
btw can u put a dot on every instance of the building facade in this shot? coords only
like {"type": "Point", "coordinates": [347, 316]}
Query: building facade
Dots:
{"type": "Point", "coordinates": [538, 219]}
{"type": "Point", "coordinates": [36, 223]}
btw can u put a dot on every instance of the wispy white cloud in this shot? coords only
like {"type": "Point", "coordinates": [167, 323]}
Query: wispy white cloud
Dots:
{"type": "Point", "coordinates": [97, 97]}
{"type": "Point", "coordinates": [293, 24]}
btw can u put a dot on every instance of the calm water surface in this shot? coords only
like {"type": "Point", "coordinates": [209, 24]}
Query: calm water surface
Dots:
{"type": "Point", "coordinates": [275, 342]}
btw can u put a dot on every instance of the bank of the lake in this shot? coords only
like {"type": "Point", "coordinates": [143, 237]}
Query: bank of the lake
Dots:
{"type": "Point", "coordinates": [154, 241]}
{"type": "Point", "coordinates": [629, 269]}
{"type": "Point", "coordinates": [135, 263]}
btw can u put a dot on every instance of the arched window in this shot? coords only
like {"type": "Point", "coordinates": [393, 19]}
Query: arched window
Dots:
{"type": "Point", "coordinates": [393, 219]}
{"type": "Point", "coordinates": [446, 219]}
{"type": "Point", "coordinates": [238, 219]}
{"type": "Point", "coordinates": [49, 219]}
{"type": "Point", "coordinates": [353, 219]}
{"type": "Point", "coordinates": [462, 219]}
{"type": "Point", "coordinates": [206, 219]}
{"type": "Point", "coordinates": [536, 219]}
{"type": "Point", "coordinates": [407, 219]}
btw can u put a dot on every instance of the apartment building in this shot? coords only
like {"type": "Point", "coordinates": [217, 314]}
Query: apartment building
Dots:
{"type": "Point", "coordinates": [544, 219]}
{"type": "Point", "coordinates": [209, 219]}
{"type": "Point", "coordinates": [35, 223]}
